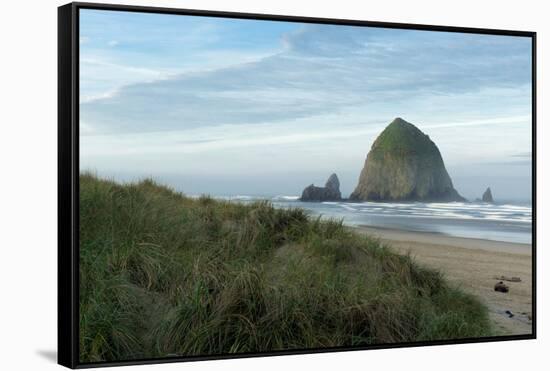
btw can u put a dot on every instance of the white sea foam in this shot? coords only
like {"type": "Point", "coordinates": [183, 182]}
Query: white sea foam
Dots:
{"type": "Point", "coordinates": [348, 207]}
{"type": "Point", "coordinates": [452, 210]}
{"type": "Point", "coordinates": [436, 210]}
{"type": "Point", "coordinates": [502, 222]}
{"type": "Point", "coordinates": [286, 198]}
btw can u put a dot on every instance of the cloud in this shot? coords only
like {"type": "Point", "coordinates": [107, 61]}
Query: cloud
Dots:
{"type": "Point", "coordinates": [103, 78]}
{"type": "Point", "coordinates": [306, 132]}
{"type": "Point", "coordinates": [321, 70]}
{"type": "Point", "coordinates": [523, 154]}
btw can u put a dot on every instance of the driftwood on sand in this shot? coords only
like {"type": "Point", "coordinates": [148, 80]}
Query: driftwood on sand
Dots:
{"type": "Point", "coordinates": [509, 279]}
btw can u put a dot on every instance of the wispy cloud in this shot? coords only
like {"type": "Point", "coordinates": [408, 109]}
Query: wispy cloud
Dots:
{"type": "Point", "coordinates": [126, 44]}
{"type": "Point", "coordinates": [323, 69]}
{"type": "Point", "coordinates": [523, 154]}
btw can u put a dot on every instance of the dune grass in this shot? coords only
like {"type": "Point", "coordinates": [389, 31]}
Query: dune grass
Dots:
{"type": "Point", "coordinates": [162, 274]}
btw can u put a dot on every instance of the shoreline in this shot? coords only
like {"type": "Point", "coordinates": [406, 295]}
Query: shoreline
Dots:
{"type": "Point", "coordinates": [473, 265]}
{"type": "Point", "coordinates": [446, 240]}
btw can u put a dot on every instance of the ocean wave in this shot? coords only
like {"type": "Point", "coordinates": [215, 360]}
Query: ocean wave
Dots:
{"type": "Point", "coordinates": [501, 222]}
{"type": "Point", "coordinates": [452, 210]}
{"type": "Point", "coordinates": [350, 208]}
{"type": "Point", "coordinates": [437, 210]}
{"type": "Point", "coordinates": [285, 198]}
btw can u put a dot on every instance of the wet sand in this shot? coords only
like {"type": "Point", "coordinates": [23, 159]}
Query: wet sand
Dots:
{"type": "Point", "coordinates": [472, 265]}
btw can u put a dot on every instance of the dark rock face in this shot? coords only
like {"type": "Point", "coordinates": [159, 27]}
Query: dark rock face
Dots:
{"type": "Point", "coordinates": [404, 165]}
{"type": "Point", "coordinates": [502, 287]}
{"type": "Point", "coordinates": [330, 192]}
{"type": "Point", "coordinates": [333, 186]}
{"type": "Point", "coordinates": [487, 196]}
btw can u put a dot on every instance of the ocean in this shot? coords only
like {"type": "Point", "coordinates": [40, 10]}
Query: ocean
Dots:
{"type": "Point", "coordinates": [508, 222]}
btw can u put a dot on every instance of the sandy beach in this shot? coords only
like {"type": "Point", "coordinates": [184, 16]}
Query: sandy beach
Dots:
{"type": "Point", "coordinates": [473, 265]}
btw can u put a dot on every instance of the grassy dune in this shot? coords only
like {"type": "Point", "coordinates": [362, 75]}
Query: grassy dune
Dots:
{"type": "Point", "coordinates": [162, 274]}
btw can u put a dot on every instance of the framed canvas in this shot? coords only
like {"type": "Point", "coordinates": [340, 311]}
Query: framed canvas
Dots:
{"type": "Point", "coordinates": [237, 185]}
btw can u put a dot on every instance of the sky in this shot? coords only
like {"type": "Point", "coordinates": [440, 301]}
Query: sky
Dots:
{"type": "Point", "coordinates": [246, 107]}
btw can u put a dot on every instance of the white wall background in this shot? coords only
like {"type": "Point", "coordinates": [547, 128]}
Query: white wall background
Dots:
{"type": "Point", "coordinates": [28, 181]}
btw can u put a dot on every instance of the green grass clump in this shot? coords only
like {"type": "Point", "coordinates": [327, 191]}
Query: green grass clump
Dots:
{"type": "Point", "coordinates": [162, 274]}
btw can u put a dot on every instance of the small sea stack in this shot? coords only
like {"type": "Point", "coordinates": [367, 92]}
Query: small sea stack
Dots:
{"type": "Point", "coordinates": [404, 164]}
{"type": "Point", "coordinates": [487, 196]}
{"type": "Point", "coordinates": [330, 192]}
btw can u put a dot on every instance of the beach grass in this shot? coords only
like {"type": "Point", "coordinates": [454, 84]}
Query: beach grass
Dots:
{"type": "Point", "coordinates": [162, 274]}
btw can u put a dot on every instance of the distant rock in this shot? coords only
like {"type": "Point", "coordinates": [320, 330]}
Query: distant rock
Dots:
{"type": "Point", "coordinates": [333, 185]}
{"type": "Point", "coordinates": [330, 192]}
{"type": "Point", "coordinates": [487, 196]}
{"type": "Point", "coordinates": [502, 287]}
{"type": "Point", "coordinates": [403, 164]}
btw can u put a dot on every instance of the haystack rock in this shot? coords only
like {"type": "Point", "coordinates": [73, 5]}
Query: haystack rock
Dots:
{"type": "Point", "coordinates": [330, 192]}
{"type": "Point", "coordinates": [404, 165]}
{"type": "Point", "coordinates": [487, 196]}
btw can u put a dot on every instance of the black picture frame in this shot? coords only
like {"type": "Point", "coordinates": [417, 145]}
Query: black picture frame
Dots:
{"type": "Point", "coordinates": [68, 178]}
